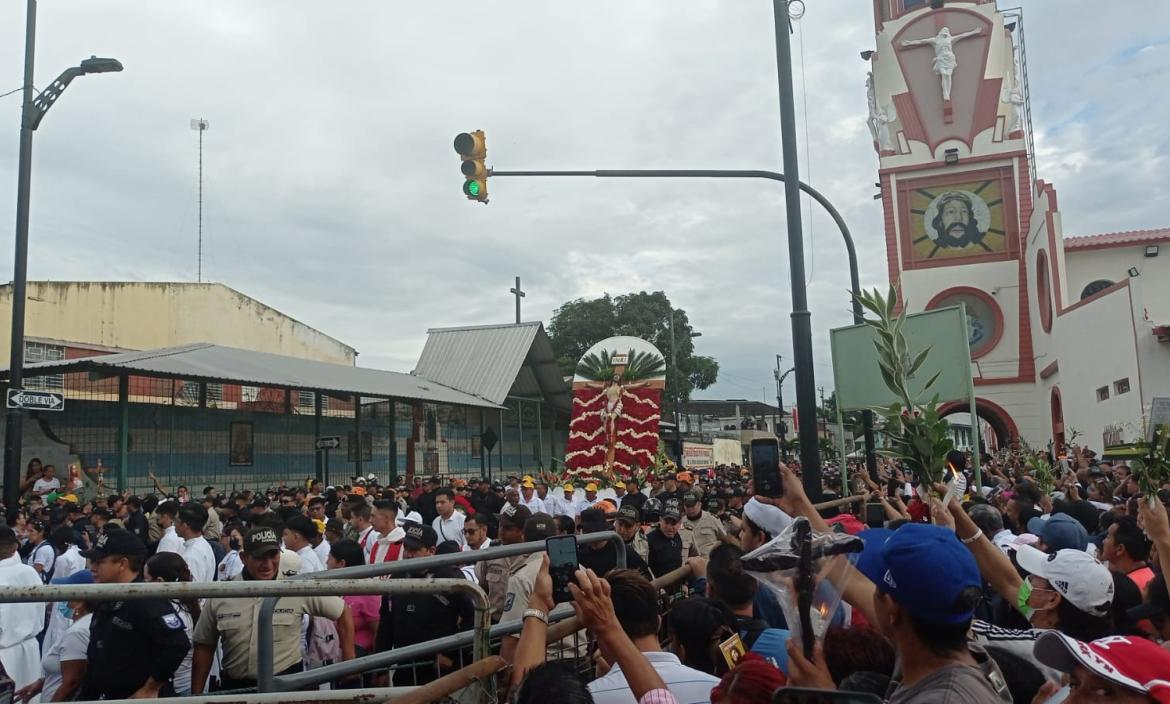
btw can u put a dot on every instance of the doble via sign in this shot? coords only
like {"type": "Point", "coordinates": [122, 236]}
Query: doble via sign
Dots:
{"type": "Point", "coordinates": [36, 400]}
{"type": "Point", "coordinates": [329, 443]}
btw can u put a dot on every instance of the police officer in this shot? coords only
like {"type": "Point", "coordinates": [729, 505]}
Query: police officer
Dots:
{"type": "Point", "coordinates": [233, 619]}
{"type": "Point", "coordinates": [135, 646]}
{"type": "Point", "coordinates": [670, 543]}
{"type": "Point", "coordinates": [493, 574]}
{"type": "Point", "coordinates": [708, 531]}
{"type": "Point", "coordinates": [627, 525]}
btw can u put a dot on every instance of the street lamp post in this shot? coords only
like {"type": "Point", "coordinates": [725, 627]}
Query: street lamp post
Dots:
{"type": "Point", "coordinates": [780, 402]}
{"type": "Point", "coordinates": [33, 110]}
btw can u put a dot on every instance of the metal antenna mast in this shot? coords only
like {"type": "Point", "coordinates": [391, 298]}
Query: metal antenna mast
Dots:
{"type": "Point", "coordinates": [200, 125]}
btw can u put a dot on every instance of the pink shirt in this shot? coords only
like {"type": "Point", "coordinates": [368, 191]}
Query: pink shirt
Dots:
{"type": "Point", "coordinates": [364, 608]}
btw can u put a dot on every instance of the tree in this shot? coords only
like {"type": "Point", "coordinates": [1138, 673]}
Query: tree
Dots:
{"type": "Point", "coordinates": [579, 324]}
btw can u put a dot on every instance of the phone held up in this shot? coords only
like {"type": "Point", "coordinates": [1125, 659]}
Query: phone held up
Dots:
{"type": "Point", "coordinates": [562, 565]}
{"type": "Point", "coordinates": [765, 455]}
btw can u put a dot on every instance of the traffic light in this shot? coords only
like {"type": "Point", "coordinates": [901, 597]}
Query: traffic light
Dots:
{"type": "Point", "coordinates": [472, 149]}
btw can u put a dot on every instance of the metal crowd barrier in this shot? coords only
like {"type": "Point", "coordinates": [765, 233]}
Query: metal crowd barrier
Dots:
{"type": "Point", "coordinates": [478, 638]}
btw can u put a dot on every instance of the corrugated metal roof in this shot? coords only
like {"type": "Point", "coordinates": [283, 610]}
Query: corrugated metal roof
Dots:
{"type": "Point", "coordinates": [207, 362]}
{"type": "Point", "coordinates": [494, 361]}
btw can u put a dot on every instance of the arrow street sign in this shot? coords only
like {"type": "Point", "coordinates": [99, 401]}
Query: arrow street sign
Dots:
{"type": "Point", "coordinates": [36, 400]}
{"type": "Point", "coordinates": [329, 443]}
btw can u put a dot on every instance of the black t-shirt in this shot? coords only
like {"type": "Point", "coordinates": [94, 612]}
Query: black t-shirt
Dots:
{"type": "Point", "coordinates": [636, 499]}
{"type": "Point", "coordinates": [604, 559]}
{"type": "Point", "coordinates": [665, 554]}
{"type": "Point", "coordinates": [130, 642]}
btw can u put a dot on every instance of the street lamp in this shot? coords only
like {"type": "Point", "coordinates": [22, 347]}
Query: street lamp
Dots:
{"type": "Point", "coordinates": [33, 110]}
{"type": "Point", "coordinates": [675, 388]}
{"type": "Point", "coordinates": [780, 403]}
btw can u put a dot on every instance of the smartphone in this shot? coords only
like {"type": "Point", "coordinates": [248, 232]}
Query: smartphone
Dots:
{"type": "Point", "coordinates": [562, 565]}
{"type": "Point", "coordinates": [766, 467]}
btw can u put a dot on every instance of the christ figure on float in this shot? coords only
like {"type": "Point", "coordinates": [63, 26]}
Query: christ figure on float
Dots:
{"type": "Point", "coordinates": [943, 44]}
{"type": "Point", "coordinates": [612, 390]}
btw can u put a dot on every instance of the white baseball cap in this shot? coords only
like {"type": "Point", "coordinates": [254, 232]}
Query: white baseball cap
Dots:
{"type": "Point", "coordinates": [766, 516]}
{"type": "Point", "coordinates": [1074, 574]}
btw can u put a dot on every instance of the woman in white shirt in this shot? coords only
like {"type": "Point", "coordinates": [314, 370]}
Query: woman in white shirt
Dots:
{"type": "Point", "coordinates": [42, 556]}
{"type": "Point", "coordinates": [170, 567]}
{"type": "Point", "coordinates": [63, 664]}
{"type": "Point", "coordinates": [232, 564]}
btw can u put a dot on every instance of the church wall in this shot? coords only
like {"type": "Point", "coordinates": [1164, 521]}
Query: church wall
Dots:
{"type": "Point", "coordinates": [1085, 266]}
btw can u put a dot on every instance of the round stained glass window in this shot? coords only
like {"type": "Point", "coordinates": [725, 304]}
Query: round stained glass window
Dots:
{"type": "Point", "coordinates": [984, 317]}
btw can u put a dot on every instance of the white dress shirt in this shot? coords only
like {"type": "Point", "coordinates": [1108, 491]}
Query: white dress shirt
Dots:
{"type": "Point", "coordinates": [200, 559]}
{"type": "Point", "coordinates": [20, 624]}
{"type": "Point", "coordinates": [469, 570]}
{"type": "Point", "coordinates": [322, 551]}
{"type": "Point", "coordinates": [366, 540]}
{"type": "Point", "coordinates": [535, 504]}
{"type": "Point", "coordinates": [685, 683]}
{"type": "Point", "coordinates": [450, 528]}
{"type": "Point", "coordinates": [170, 541]}
{"type": "Point", "coordinates": [69, 562]}
{"type": "Point", "coordinates": [310, 563]}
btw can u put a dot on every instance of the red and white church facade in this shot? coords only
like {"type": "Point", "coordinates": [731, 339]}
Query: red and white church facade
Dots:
{"type": "Point", "coordinates": [1065, 332]}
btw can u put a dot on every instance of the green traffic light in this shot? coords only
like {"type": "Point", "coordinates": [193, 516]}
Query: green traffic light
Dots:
{"type": "Point", "coordinates": [473, 188]}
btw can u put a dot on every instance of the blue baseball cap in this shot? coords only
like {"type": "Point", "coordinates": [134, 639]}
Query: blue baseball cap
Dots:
{"type": "Point", "coordinates": [78, 577]}
{"type": "Point", "coordinates": [1059, 531]}
{"type": "Point", "coordinates": [924, 568]}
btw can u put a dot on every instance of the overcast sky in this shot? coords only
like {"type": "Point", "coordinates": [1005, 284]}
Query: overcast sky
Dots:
{"type": "Point", "coordinates": [332, 192]}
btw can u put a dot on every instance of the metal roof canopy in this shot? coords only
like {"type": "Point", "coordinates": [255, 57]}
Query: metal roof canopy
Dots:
{"type": "Point", "coordinates": [495, 362]}
{"type": "Point", "coordinates": [726, 408]}
{"type": "Point", "coordinates": [206, 362]}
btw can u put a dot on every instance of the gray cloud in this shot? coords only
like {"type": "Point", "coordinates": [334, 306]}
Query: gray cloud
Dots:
{"type": "Point", "coordinates": [332, 191]}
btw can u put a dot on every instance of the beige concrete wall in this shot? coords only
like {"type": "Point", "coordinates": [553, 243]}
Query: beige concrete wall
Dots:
{"type": "Point", "coordinates": [140, 316]}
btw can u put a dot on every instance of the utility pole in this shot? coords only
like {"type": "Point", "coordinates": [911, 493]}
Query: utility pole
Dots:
{"type": "Point", "coordinates": [200, 125]}
{"type": "Point", "coordinates": [780, 402]}
{"type": "Point", "coordinates": [518, 293]}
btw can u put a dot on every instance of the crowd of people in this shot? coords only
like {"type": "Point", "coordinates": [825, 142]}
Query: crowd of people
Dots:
{"type": "Point", "coordinates": [1005, 593]}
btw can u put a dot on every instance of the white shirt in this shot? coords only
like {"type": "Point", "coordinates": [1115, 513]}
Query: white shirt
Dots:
{"type": "Point", "coordinates": [322, 551]}
{"type": "Point", "coordinates": [73, 645]}
{"type": "Point", "coordinates": [686, 684]}
{"type": "Point", "coordinates": [200, 559]}
{"type": "Point", "coordinates": [310, 563]}
{"type": "Point", "coordinates": [43, 486]}
{"type": "Point", "coordinates": [535, 504]}
{"type": "Point", "coordinates": [20, 624]}
{"type": "Point", "coordinates": [230, 566]}
{"type": "Point", "coordinates": [469, 570]}
{"type": "Point", "coordinates": [170, 541]}
{"type": "Point", "coordinates": [69, 562]}
{"type": "Point", "coordinates": [366, 540]}
{"type": "Point", "coordinates": [43, 555]}
{"type": "Point", "coordinates": [450, 528]}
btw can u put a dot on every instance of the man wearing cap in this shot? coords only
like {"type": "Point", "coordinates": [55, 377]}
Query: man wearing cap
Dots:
{"type": "Point", "coordinates": [627, 524]}
{"type": "Point", "coordinates": [1058, 531]}
{"type": "Point", "coordinates": [529, 498]}
{"type": "Point", "coordinates": [1117, 669]}
{"type": "Point", "coordinates": [416, 618]}
{"type": "Point", "coordinates": [20, 654]}
{"type": "Point", "coordinates": [298, 535]}
{"type": "Point", "coordinates": [707, 530]}
{"type": "Point", "coordinates": [233, 620]}
{"type": "Point", "coordinates": [669, 489]}
{"type": "Point", "coordinates": [927, 586]}
{"type": "Point", "coordinates": [493, 574]}
{"type": "Point", "coordinates": [522, 580]}
{"type": "Point", "coordinates": [425, 502]}
{"type": "Point", "coordinates": [483, 500]}
{"type": "Point", "coordinates": [135, 646]}
{"type": "Point", "coordinates": [566, 504]}
{"type": "Point", "coordinates": [670, 543]}
{"type": "Point", "coordinates": [633, 496]}
{"type": "Point", "coordinates": [601, 557]}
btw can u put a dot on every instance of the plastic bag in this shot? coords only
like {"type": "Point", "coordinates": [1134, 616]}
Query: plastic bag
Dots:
{"type": "Point", "coordinates": [809, 593]}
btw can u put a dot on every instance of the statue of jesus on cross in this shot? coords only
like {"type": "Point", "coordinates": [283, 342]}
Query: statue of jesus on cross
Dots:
{"type": "Point", "coordinates": [943, 44]}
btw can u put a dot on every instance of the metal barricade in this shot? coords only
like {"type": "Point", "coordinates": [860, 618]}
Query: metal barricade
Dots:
{"type": "Point", "coordinates": [271, 591]}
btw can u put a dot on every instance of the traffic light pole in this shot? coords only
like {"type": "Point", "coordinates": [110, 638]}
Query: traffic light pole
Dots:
{"type": "Point", "coordinates": [806, 404]}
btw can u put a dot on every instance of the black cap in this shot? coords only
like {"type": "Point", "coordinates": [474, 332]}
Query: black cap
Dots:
{"type": "Point", "coordinates": [671, 511]}
{"type": "Point", "coordinates": [303, 525]}
{"type": "Point", "coordinates": [420, 536]}
{"type": "Point", "coordinates": [261, 541]}
{"type": "Point", "coordinates": [670, 476]}
{"type": "Point", "coordinates": [539, 527]}
{"type": "Point", "coordinates": [115, 542]}
{"type": "Point", "coordinates": [514, 516]}
{"type": "Point", "coordinates": [712, 504]}
{"type": "Point", "coordinates": [259, 502]}
{"type": "Point", "coordinates": [628, 512]}
{"type": "Point", "coordinates": [593, 521]}
{"type": "Point", "coordinates": [691, 497]}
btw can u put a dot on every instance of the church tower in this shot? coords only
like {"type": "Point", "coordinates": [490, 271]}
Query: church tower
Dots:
{"type": "Point", "coordinates": [948, 111]}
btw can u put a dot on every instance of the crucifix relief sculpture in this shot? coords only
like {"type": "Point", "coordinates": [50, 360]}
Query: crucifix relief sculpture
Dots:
{"type": "Point", "coordinates": [943, 44]}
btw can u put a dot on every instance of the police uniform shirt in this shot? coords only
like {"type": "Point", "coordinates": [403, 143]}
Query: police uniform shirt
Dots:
{"type": "Point", "coordinates": [233, 620]}
{"type": "Point", "coordinates": [520, 585]}
{"type": "Point", "coordinates": [639, 545]}
{"type": "Point", "coordinates": [416, 618]}
{"type": "Point", "coordinates": [493, 577]}
{"type": "Point", "coordinates": [131, 642]}
{"type": "Point", "coordinates": [707, 531]}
